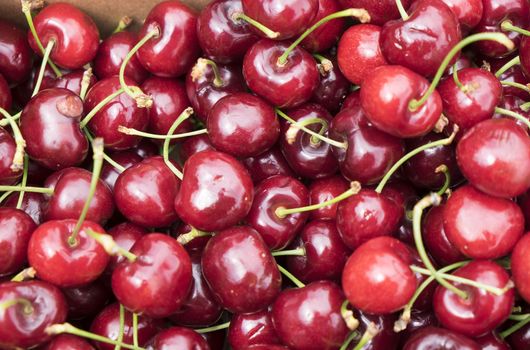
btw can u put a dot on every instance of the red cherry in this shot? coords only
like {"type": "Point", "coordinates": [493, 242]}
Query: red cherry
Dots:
{"type": "Point", "coordinates": [178, 338]}
{"type": "Point", "coordinates": [33, 204]}
{"type": "Point", "coordinates": [332, 89]}
{"type": "Point", "coordinates": [326, 35]}
{"type": "Point", "coordinates": [322, 190]}
{"type": "Point", "coordinates": [68, 342]}
{"type": "Point", "coordinates": [251, 329]}
{"type": "Point", "coordinates": [126, 159]}
{"type": "Point", "coordinates": [86, 301]}
{"type": "Point", "coordinates": [8, 147]}
{"type": "Point", "coordinates": [267, 164]}
{"type": "Point", "coordinates": [15, 54]}
{"type": "Point", "coordinates": [380, 11]}
{"type": "Point", "coordinates": [520, 271]}
{"type": "Point", "coordinates": [492, 341]}
{"type": "Point", "coordinates": [16, 228]}
{"type": "Point", "coordinates": [468, 12]}
{"type": "Point", "coordinates": [439, 338]}
{"type": "Point", "coordinates": [194, 144]}
{"type": "Point", "coordinates": [125, 235]}
{"type": "Point", "coordinates": [72, 81]}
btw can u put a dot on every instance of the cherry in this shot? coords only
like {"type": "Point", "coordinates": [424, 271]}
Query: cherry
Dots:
{"type": "Point", "coordinates": [251, 329]}
{"type": "Point", "coordinates": [28, 308]}
{"type": "Point", "coordinates": [520, 339]}
{"type": "Point", "coordinates": [310, 317]}
{"type": "Point", "coordinates": [86, 301]}
{"type": "Point", "coordinates": [111, 54]}
{"type": "Point", "coordinates": [524, 204]}
{"type": "Point", "coordinates": [54, 148]}
{"type": "Point", "coordinates": [333, 86]}
{"type": "Point", "coordinates": [240, 271]}
{"type": "Point", "coordinates": [512, 103]}
{"type": "Point", "coordinates": [490, 150]}
{"type": "Point", "coordinates": [16, 228]}
{"type": "Point", "coordinates": [67, 342]}
{"type": "Point", "coordinates": [267, 347]}
{"type": "Point", "coordinates": [5, 94]}
{"type": "Point", "coordinates": [352, 100]}
{"type": "Point", "coordinates": [8, 176]}
{"type": "Point", "coordinates": [173, 49]}
{"type": "Point", "coordinates": [146, 149]}
{"type": "Point", "coordinates": [439, 338]}
{"type": "Point", "coordinates": [514, 74]}
{"type": "Point", "coordinates": [33, 204]}
{"type": "Point", "coordinates": [178, 338]}
{"type": "Point", "coordinates": [386, 338]}
{"type": "Point", "coordinates": [322, 190]}
{"type": "Point", "coordinates": [75, 35]}
{"type": "Point", "coordinates": [144, 193]}
{"type": "Point", "coordinates": [519, 263]}
{"type": "Point", "coordinates": [243, 125]}
{"type": "Point", "coordinates": [278, 192]}
{"type": "Point", "coordinates": [377, 278]}
{"type": "Point", "coordinates": [216, 191]}
{"type": "Point", "coordinates": [72, 81]}
{"type": "Point", "coordinates": [481, 312]}
{"type": "Point", "coordinates": [326, 35]}
{"type": "Point", "coordinates": [15, 54]}
{"type": "Point", "coordinates": [267, 164]}
{"type": "Point", "coordinates": [194, 144]}
{"type": "Point", "coordinates": [491, 341]}
{"type": "Point", "coordinates": [193, 240]}
{"type": "Point", "coordinates": [125, 159]}
{"type": "Point", "coordinates": [380, 12]}
{"type": "Point", "coordinates": [418, 321]}
{"type": "Point", "coordinates": [125, 235]}
{"type": "Point", "coordinates": [468, 12]}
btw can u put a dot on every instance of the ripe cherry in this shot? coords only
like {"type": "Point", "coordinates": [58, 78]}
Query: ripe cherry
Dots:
{"type": "Point", "coordinates": [322, 190]}
{"type": "Point", "coordinates": [439, 338]}
{"type": "Point", "coordinates": [87, 300]}
{"type": "Point", "coordinates": [194, 144]}
{"type": "Point", "coordinates": [251, 329]}
{"type": "Point", "coordinates": [125, 159]}
{"type": "Point", "coordinates": [519, 263]}
{"type": "Point", "coordinates": [468, 12]}
{"type": "Point", "coordinates": [16, 228]}
{"type": "Point", "coordinates": [125, 235]}
{"type": "Point", "coordinates": [68, 342]}
{"type": "Point", "coordinates": [267, 164]}
{"type": "Point", "coordinates": [178, 338]}
{"type": "Point", "coordinates": [15, 54]}
{"type": "Point", "coordinates": [8, 176]}
{"type": "Point", "coordinates": [326, 35]}
{"type": "Point", "coordinates": [33, 204]}
{"type": "Point", "coordinates": [72, 81]}
{"type": "Point", "coordinates": [333, 87]}
{"type": "Point", "coordinates": [380, 11]}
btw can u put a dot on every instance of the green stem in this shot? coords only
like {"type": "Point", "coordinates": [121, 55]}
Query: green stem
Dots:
{"type": "Point", "coordinates": [130, 131]}
{"type": "Point", "coordinates": [268, 32]}
{"type": "Point", "coordinates": [518, 317]}
{"type": "Point", "coordinates": [123, 24]}
{"type": "Point", "coordinates": [508, 26]}
{"type": "Point", "coordinates": [18, 157]}
{"type": "Point", "coordinates": [516, 85]}
{"type": "Point", "coordinates": [165, 151]}
{"type": "Point", "coordinates": [512, 114]}
{"type": "Point", "coordinates": [5, 195]}
{"type": "Point", "coordinates": [108, 159]}
{"type": "Point", "coordinates": [109, 244]}
{"type": "Point", "coordinates": [457, 79]}
{"type": "Point", "coordinates": [5, 121]}
{"type": "Point", "coordinates": [23, 183]}
{"type": "Point", "coordinates": [325, 65]}
{"type": "Point", "coordinates": [513, 62]}
{"type": "Point", "coordinates": [213, 328]}
{"type": "Point", "coordinates": [99, 106]}
{"type": "Point", "coordinates": [293, 130]}
{"type": "Point", "coordinates": [121, 329]}
{"type": "Point", "coordinates": [27, 306]}
{"type": "Point", "coordinates": [135, 328]}
{"type": "Point", "coordinates": [42, 69]}
{"type": "Point", "coordinates": [85, 83]}
{"type": "Point", "coordinates": [404, 15]}
{"type": "Point", "coordinates": [447, 182]}
{"type": "Point", "coordinates": [291, 252]}
{"type": "Point", "coordinates": [525, 107]}
{"type": "Point", "coordinates": [349, 339]}
{"type": "Point", "coordinates": [290, 276]}
{"type": "Point", "coordinates": [43, 190]}
{"type": "Point", "coordinates": [199, 69]}
{"type": "Point", "coordinates": [347, 315]}
{"type": "Point", "coordinates": [515, 328]}
{"type": "Point", "coordinates": [28, 273]}
{"type": "Point", "coordinates": [498, 37]}
{"type": "Point", "coordinates": [190, 236]}
{"type": "Point", "coordinates": [368, 335]}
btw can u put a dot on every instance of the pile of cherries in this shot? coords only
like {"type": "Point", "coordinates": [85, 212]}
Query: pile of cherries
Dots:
{"type": "Point", "coordinates": [266, 175]}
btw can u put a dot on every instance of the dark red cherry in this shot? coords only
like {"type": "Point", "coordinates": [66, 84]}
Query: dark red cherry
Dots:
{"type": "Point", "coordinates": [196, 245]}
{"type": "Point", "coordinates": [367, 215]}
{"type": "Point", "coordinates": [439, 338]}
{"type": "Point", "coordinates": [146, 149]}
{"type": "Point", "coordinates": [380, 11]}
{"type": "Point", "coordinates": [16, 228]}
{"type": "Point", "coordinates": [109, 174]}
{"type": "Point", "coordinates": [88, 300]}
{"type": "Point", "coordinates": [111, 54]}
{"type": "Point", "coordinates": [120, 111]}
{"type": "Point", "coordinates": [8, 176]}
{"type": "Point", "coordinates": [309, 317]}
{"type": "Point", "coordinates": [107, 324]}
{"type": "Point", "coordinates": [271, 194]}
{"type": "Point", "coordinates": [418, 321]}
{"type": "Point", "coordinates": [55, 260]}
{"type": "Point", "coordinates": [288, 18]}
{"type": "Point", "coordinates": [158, 281]}
{"type": "Point", "coordinates": [267, 164]}
{"type": "Point", "coordinates": [520, 339]}
{"type": "Point", "coordinates": [492, 341]}
{"type": "Point", "coordinates": [125, 235]}
{"type": "Point", "coordinates": [519, 264]}
{"type": "Point", "coordinates": [327, 35]}
{"type": "Point", "coordinates": [492, 149]}
{"type": "Point", "coordinates": [68, 342]}
{"type": "Point", "coordinates": [524, 204]}
{"type": "Point", "coordinates": [332, 89]}
{"type": "Point", "coordinates": [72, 81]}
{"type": "Point", "coordinates": [75, 34]}
{"type": "Point", "coordinates": [53, 147]}
{"type": "Point", "coordinates": [385, 98]}
{"type": "Point", "coordinates": [5, 95]}
{"type": "Point", "coordinates": [144, 193]}
{"type": "Point", "coordinates": [516, 74]}
{"type": "Point", "coordinates": [386, 338]}
{"type": "Point", "coordinates": [377, 278]}
{"type": "Point", "coordinates": [216, 340]}
{"type": "Point", "coordinates": [352, 100]}
{"type": "Point", "coordinates": [194, 144]}
{"type": "Point", "coordinates": [359, 52]}
{"type": "Point", "coordinates": [513, 103]}
{"type": "Point", "coordinates": [23, 326]}
{"type": "Point", "coordinates": [284, 85]}
{"type": "Point", "coordinates": [481, 312]}
{"type": "Point", "coordinates": [172, 52]}
{"type": "Point", "coordinates": [16, 56]}
{"type": "Point", "coordinates": [468, 12]}
{"type": "Point", "coordinates": [251, 329]}
{"type": "Point", "coordinates": [322, 190]}
{"type": "Point", "coordinates": [243, 125]}
{"type": "Point", "coordinates": [216, 191]}
{"type": "Point", "coordinates": [267, 347]}
{"type": "Point", "coordinates": [33, 204]}
{"type": "Point", "coordinates": [240, 271]}
{"type": "Point", "coordinates": [178, 338]}
{"type": "Point", "coordinates": [325, 253]}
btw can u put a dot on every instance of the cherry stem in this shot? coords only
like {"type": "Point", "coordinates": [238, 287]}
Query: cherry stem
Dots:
{"type": "Point", "coordinates": [69, 329]}
{"type": "Point", "coordinates": [99, 106]}
{"type": "Point", "coordinates": [213, 328]}
{"type": "Point", "coordinates": [294, 129]}
{"type": "Point", "coordinates": [142, 100]}
{"type": "Point", "coordinates": [518, 317]}
{"type": "Point", "coordinates": [349, 339]}
{"type": "Point", "coordinates": [43, 190]}
{"type": "Point", "coordinates": [512, 114]}
{"type": "Point", "coordinates": [368, 335]}
{"type": "Point", "coordinates": [269, 33]}
{"type": "Point", "coordinates": [42, 69]}
{"type": "Point", "coordinates": [404, 15]}
{"type": "Point", "coordinates": [122, 327]}
{"type": "Point", "coordinates": [85, 82]}
{"type": "Point", "coordinates": [347, 315]}
{"type": "Point", "coordinates": [190, 236]}
{"type": "Point", "coordinates": [199, 69]}
{"type": "Point", "coordinates": [109, 160]}
{"type": "Point", "coordinates": [513, 62]}
{"type": "Point", "coordinates": [406, 157]}
{"type": "Point", "coordinates": [516, 85]}
{"type": "Point", "coordinates": [26, 274]}
{"type": "Point", "coordinates": [325, 65]}
{"type": "Point", "coordinates": [515, 328]}
{"type": "Point", "coordinates": [447, 182]}
{"type": "Point", "coordinates": [109, 244]}
{"type": "Point", "coordinates": [97, 150]}
{"type": "Point", "coordinates": [498, 37]}
{"type": "Point", "coordinates": [361, 14]}
{"type": "Point", "coordinates": [291, 252]}
{"type": "Point", "coordinates": [290, 276]}
{"type": "Point", "coordinates": [508, 26]}
{"type": "Point", "coordinates": [355, 187]}
{"type": "Point", "coordinates": [525, 106]}
{"type": "Point", "coordinates": [334, 143]}
{"type": "Point", "coordinates": [5, 121]}
{"type": "Point", "coordinates": [130, 131]}
{"type": "Point", "coordinates": [135, 328]}
{"type": "Point", "coordinates": [23, 182]}
{"type": "Point", "coordinates": [123, 24]}
{"type": "Point", "coordinates": [181, 118]}
{"type": "Point", "coordinates": [456, 79]}
{"type": "Point", "coordinates": [18, 157]}
{"type": "Point", "coordinates": [26, 9]}
{"type": "Point", "coordinates": [27, 307]}
{"type": "Point", "coordinates": [5, 195]}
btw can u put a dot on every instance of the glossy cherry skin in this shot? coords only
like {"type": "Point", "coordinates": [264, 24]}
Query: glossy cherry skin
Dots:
{"type": "Point", "coordinates": [75, 34]}
{"type": "Point", "coordinates": [70, 194]}
{"type": "Point", "coordinates": [5, 95]}
{"type": "Point", "coordinates": [367, 215]}
{"type": "Point", "coordinates": [468, 12]}
{"type": "Point", "coordinates": [125, 235]}
{"type": "Point", "coordinates": [483, 94]}
{"type": "Point", "coordinates": [494, 13]}
{"type": "Point", "coordinates": [16, 56]}
{"type": "Point", "coordinates": [53, 147]}
{"type": "Point", "coordinates": [418, 320]}
{"type": "Point", "coordinates": [272, 193]}
{"type": "Point", "coordinates": [377, 278]}
{"type": "Point", "coordinates": [240, 271]}
{"type": "Point", "coordinates": [521, 339]}
{"type": "Point", "coordinates": [332, 89]}
{"type": "Point", "coordinates": [380, 11]}
{"type": "Point", "coordinates": [8, 146]}
{"type": "Point", "coordinates": [146, 149]}
{"type": "Point", "coordinates": [120, 111]}
{"type": "Point", "coordinates": [481, 226]}
{"type": "Point", "coordinates": [327, 35]}
{"type": "Point", "coordinates": [144, 193]}
{"type": "Point", "coordinates": [440, 338]}
{"type": "Point", "coordinates": [54, 259]}
{"type": "Point", "coordinates": [222, 38]}
{"type": "Point", "coordinates": [490, 150]}
{"type": "Point", "coordinates": [322, 190]}
{"type": "Point", "coordinates": [325, 253]}
{"type": "Point", "coordinates": [194, 144]}
{"type": "Point", "coordinates": [267, 347]}
{"type": "Point", "coordinates": [243, 125]}
{"type": "Point", "coordinates": [178, 338]}
{"type": "Point", "coordinates": [126, 159]}
{"type": "Point", "coordinates": [33, 204]}
{"type": "Point", "coordinates": [309, 317]}
{"type": "Point", "coordinates": [107, 324]}
{"type": "Point", "coordinates": [158, 282]}
{"type": "Point", "coordinates": [111, 54]}
{"type": "Point", "coordinates": [251, 329]}
{"type": "Point", "coordinates": [202, 91]}
{"type": "Point", "coordinates": [386, 339]}
{"type": "Point", "coordinates": [385, 98]}
{"type": "Point", "coordinates": [26, 330]}
{"type": "Point", "coordinates": [16, 228]}
{"type": "Point", "coordinates": [359, 52]}
{"type": "Point", "coordinates": [513, 103]}
{"type": "Point", "coordinates": [88, 300]}
{"type": "Point", "coordinates": [519, 264]}
{"type": "Point", "coordinates": [200, 308]}
{"type": "Point", "coordinates": [524, 55]}
{"type": "Point", "coordinates": [216, 191]}
{"type": "Point", "coordinates": [482, 311]}
{"type": "Point", "coordinates": [72, 81]}
{"type": "Point", "coordinates": [194, 246]}
{"type": "Point", "coordinates": [307, 158]}
{"type": "Point", "coordinates": [173, 52]}
{"type": "Point", "coordinates": [67, 342]}
{"type": "Point", "coordinates": [267, 164]}
{"type": "Point", "coordinates": [285, 86]}
{"type": "Point", "coordinates": [492, 341]}
{"type": "Point", "coordinates": [288, 18]}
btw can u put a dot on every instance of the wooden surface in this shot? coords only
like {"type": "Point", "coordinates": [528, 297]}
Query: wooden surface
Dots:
{"type": "Point", "coordinates": [106, 13]}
